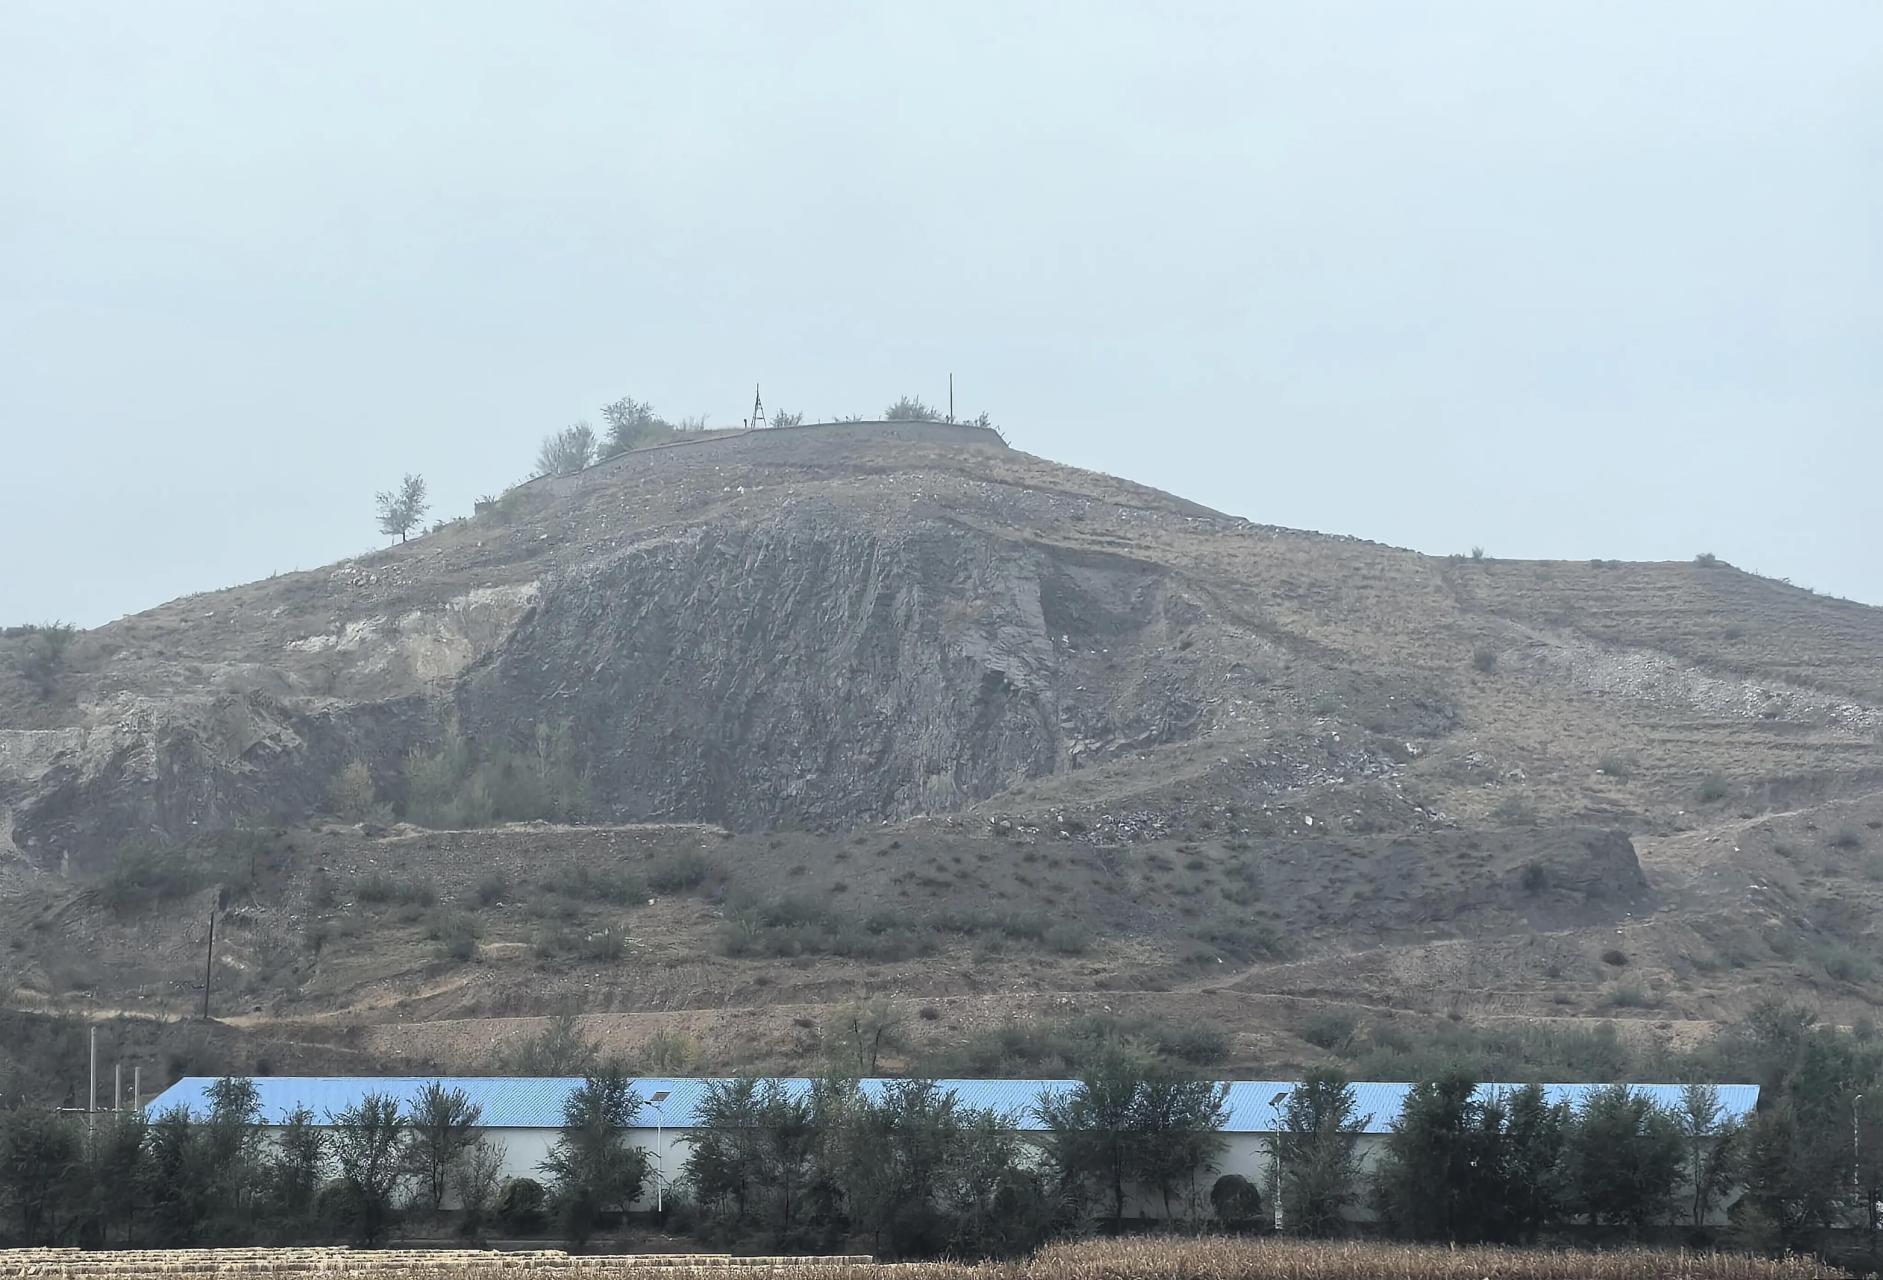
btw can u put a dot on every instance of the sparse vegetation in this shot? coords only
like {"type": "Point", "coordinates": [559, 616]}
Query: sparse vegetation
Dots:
{"type": "Point", "coordinates": [1848, 839]}
{"type": "Point", "coordinates": [1515, 809]}
{"type": "Point", "coordinates": [1477, 553]}
{"type": "Point", "coordinates": [1713, 788]}
{"type": "Point", "coordinates": [911, 409]}
{"type": "Point", "coordinates": [631, 424]}
{"type": "Point", "coordinates": [567, 451]}
{"type": "Point", "coordinates": [456, 933]}
{"type": "Point", "coordinates": [1484, 658]}
{"type": "Point", "coordinates": [678, 872]}
{"type": "Point", "coordinates": [1706, 560]}
{"type": "Point", "coordinates": [780, 418]}
{"type": "Point", "coordinates": [41, 656]}
{"type": "Point", "coordinates": [379, 889]}
{"type": "Point", "coordinates": [460, 785]}
{"type": "Point", "coordinates": [1618, 766]}
{"type": "Point", "coordinates": [351, 794]}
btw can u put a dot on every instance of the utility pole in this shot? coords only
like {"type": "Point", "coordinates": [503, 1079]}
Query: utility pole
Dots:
{"type": "Point", "coordinates": [91, 1097]}
{"type": "Point", "coordinates": [117, 1087]}
{"type": "Point", "coordinates": [209, 963]}
{"type": "Point", "coordinates": [137, 1088]}
{"type": "Point", "coordinates": [951, 397]}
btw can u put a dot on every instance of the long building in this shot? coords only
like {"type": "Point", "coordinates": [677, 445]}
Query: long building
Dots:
{"type": "Point", "coordinates": [524, 1113]}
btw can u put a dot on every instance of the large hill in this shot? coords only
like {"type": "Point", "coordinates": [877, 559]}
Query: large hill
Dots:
{"type": "Point", "coordinates": [893, 712]}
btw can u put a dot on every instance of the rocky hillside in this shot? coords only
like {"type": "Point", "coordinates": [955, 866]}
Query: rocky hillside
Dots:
{"type": "Point", "coordinates": [927, 718]}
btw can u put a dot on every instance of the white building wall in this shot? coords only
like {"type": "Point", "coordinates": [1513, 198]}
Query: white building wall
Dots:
{"type": "Point", "coordinates": [1247, 1154]}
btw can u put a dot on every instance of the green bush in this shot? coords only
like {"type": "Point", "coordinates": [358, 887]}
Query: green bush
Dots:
{"type": "Point", "coordinates": [145, 875]}
{"type": "Point", "coordinates": [1617, 765]}
{"type": "Point", "coordinates": [1514, 809]}
{"type": "Point", "coordinates": [1484, 658]}
{"type": "Point", "coordinates": [1067, 938]}
{"type": "Point", "coordinates": [459, 785]}
{"type": "Point", "coordinates": [522, 1206]}
{"type": "Point", "coordinates": [1713, 788]}
{"type": "Point", "coordinates": [1843, 963]}
{"type": "Point", "coordinates": [612, 885]}
{"type": "Point", "coordinates": [456, 933]}
{"type": "Point", "coordinates": [40, 657]}
{"type": "Point", "coordinates": [379, 889]}
{"type": "Point", "coordinates": [678, 872]}
{"type": "Point", "coordinates": [911, 409]}
{"type": "Point", "coordinates": [1330, 1029]}
{"type": "Point", "coordinates": [1847, 838]}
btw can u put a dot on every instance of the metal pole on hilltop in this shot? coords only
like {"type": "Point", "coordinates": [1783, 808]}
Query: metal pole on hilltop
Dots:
{"type": "Point", "coordinates": [91, 1097]}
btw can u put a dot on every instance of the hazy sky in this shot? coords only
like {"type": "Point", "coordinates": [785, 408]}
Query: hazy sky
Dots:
{"type": "Point", "coordinates": [1572, 279]}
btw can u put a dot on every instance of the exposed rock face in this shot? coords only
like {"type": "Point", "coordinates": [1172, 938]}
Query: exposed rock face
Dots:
{"type": "Point", "coordinates": [816, 669]}
{"type": "Point", "coordinates": [168, 771]}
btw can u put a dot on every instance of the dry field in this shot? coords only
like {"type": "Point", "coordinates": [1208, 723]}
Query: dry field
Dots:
{"type": "Point", "coordinates": [1091, 1260]}
{"type": "Point", "coordinates": [406, 1264]}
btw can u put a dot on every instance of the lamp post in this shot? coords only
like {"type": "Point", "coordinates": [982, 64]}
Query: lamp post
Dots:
{"type": "Point", "coordinates": [1856, 1150]}
{"type": "Point", "coordinates": [1274, 1143]}
{"type": "Point", "coordinates": [660, 1151]}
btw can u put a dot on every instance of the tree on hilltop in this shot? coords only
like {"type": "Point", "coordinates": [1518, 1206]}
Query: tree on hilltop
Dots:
{"type": "Point", "coordinates": [567, 451]}
{"type": "Point", "coordinates": [631, 423]}
{"type": "Point", "coordinates": [401, 509]}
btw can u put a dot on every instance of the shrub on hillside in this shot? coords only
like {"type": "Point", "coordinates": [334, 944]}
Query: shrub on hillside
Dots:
{"type": "Point", "coordinates": [1616, 765]}
{"type": "Point", "coordinates": [911, 409]}
{"type": "Point", "coordinates": [460, 785]}
{"type": "Point", "coordinates": [678, 872]}
{"type": "Point", "coordinates": [40, 657]}
{"type": "Point", "coordinates": [1714, 787]}
{"type": "Point", "coordinates": [1484, 658]}
{"type": "Point", "coordinates": [567, 451]}
{"type": "Point", "coordinates": [351, 794]}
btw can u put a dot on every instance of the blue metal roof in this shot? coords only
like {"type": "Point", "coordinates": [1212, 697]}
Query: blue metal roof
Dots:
{"type": "Point", "coordinates": [535, 1102]}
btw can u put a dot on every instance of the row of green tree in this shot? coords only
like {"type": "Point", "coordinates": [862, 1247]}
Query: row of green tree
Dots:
{"type": "Point", "coordinates": [910, 1169]}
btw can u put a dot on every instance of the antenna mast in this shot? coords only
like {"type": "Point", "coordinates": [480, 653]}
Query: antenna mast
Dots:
{"type": "Point", "coordinates": [758, 409]}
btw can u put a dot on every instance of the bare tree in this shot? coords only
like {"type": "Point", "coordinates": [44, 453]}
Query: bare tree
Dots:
{"type": "Point", "coordinates": [567, 451]}
{"type": "Point", "coordinates": [784, 419]}
{"type": "Point", "coordinates": [401, 509]}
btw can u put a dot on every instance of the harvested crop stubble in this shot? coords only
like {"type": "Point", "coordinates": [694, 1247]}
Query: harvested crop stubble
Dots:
{"type": "Point", "coordinates": [391, 1264]}
{"type": "Point", "coordinates": [1088, 1260]}
{"type": "Point", "coordinates": [1302, 1260]}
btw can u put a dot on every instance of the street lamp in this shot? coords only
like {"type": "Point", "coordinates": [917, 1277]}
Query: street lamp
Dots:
{"type": "Point", "coordinates": [1274, 1146]}
{"type": "Point", "coordinates": [660, 1151]}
